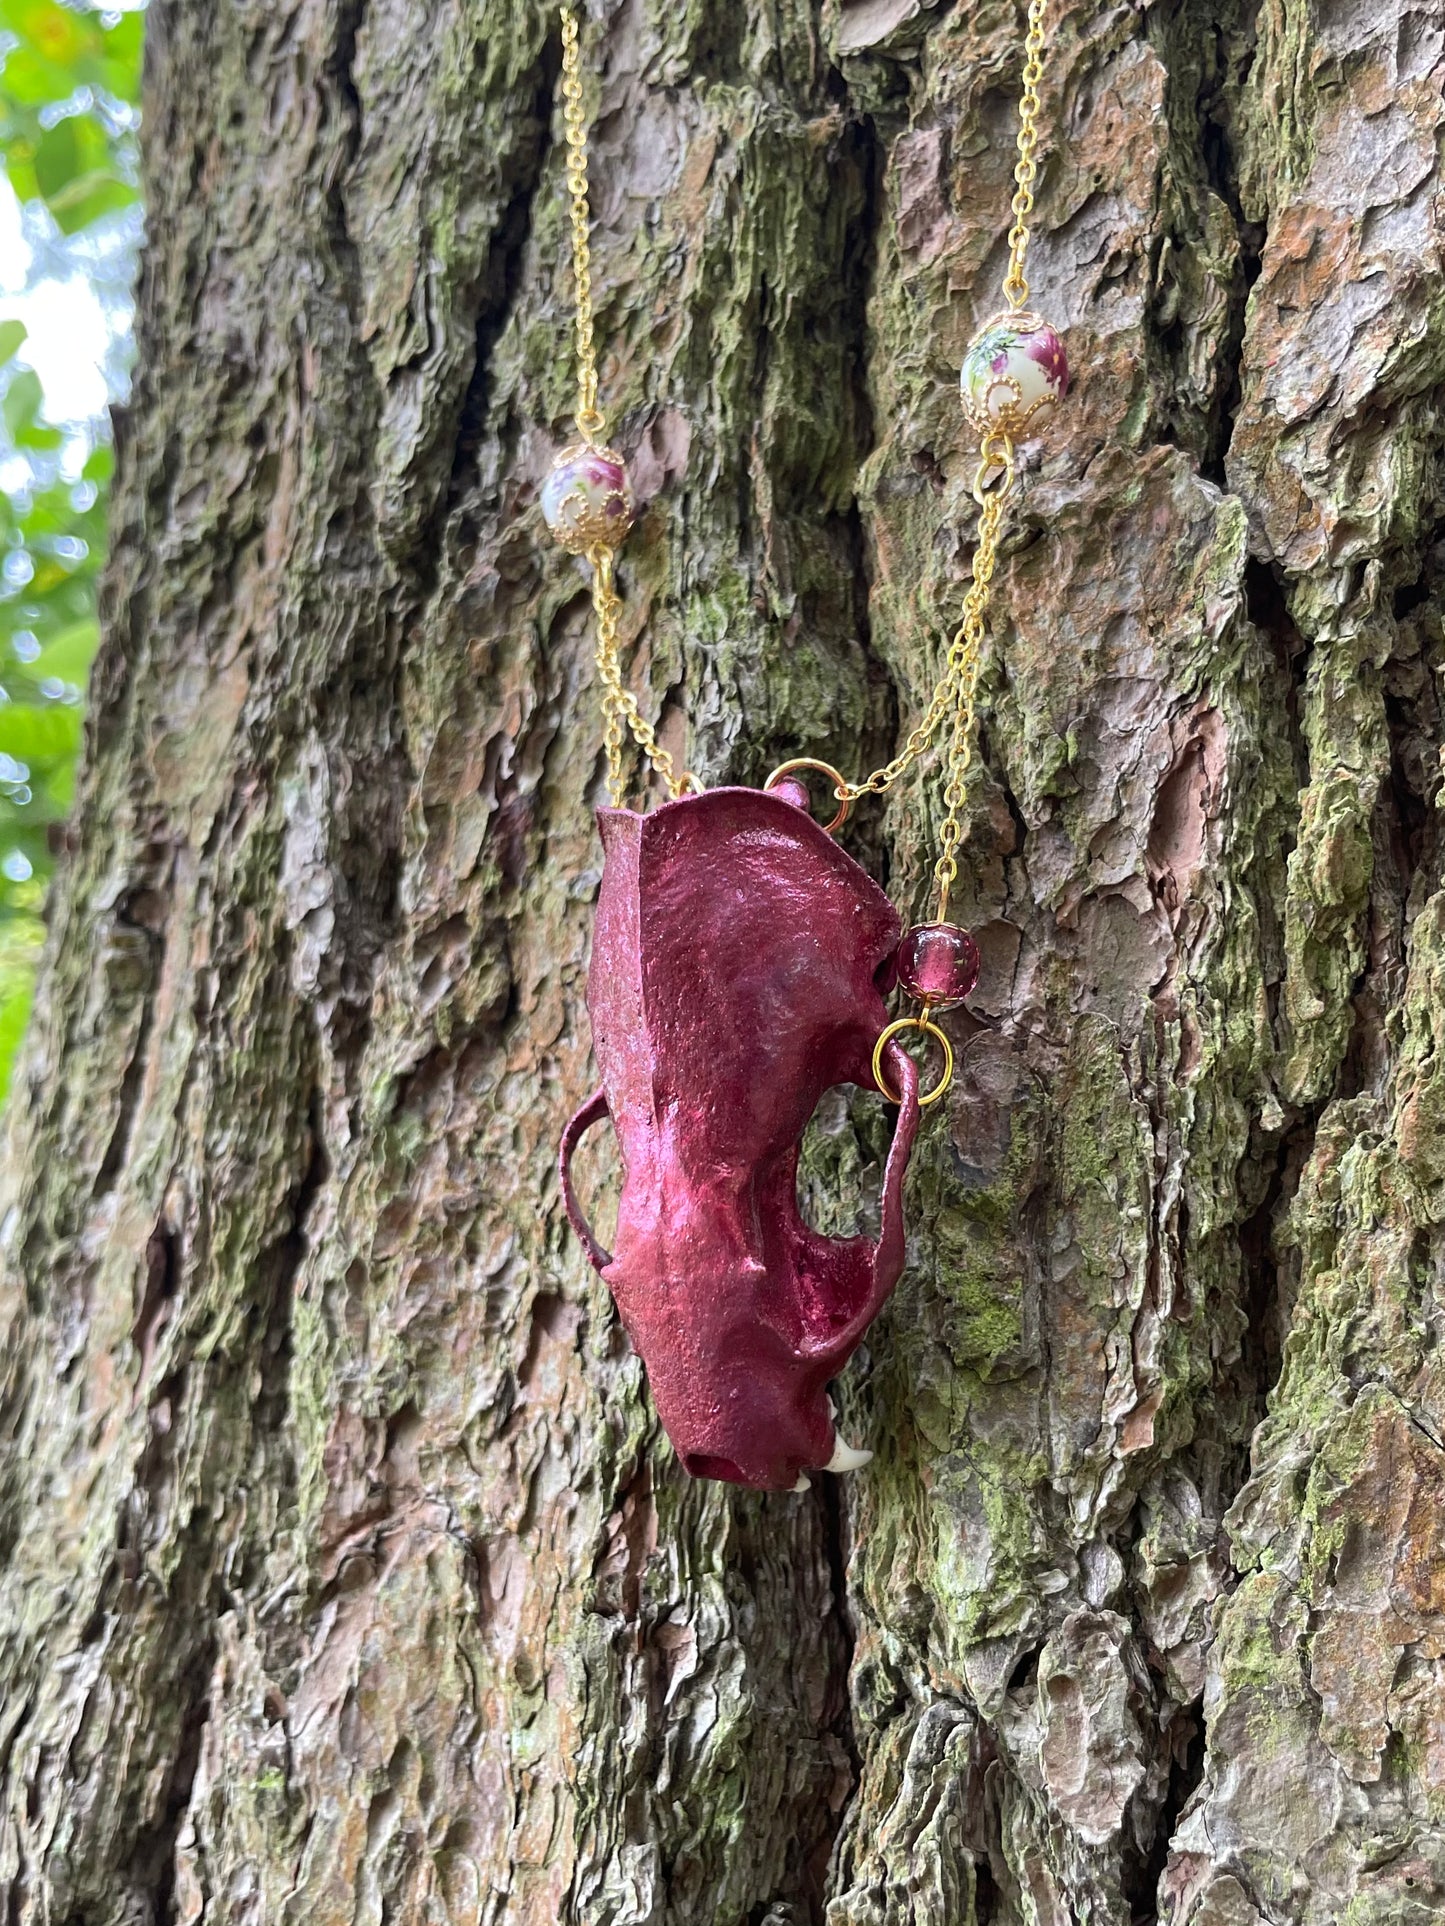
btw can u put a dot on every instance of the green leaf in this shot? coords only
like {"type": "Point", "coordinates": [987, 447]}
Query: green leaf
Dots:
{"type": "Point", "coordinates": [17, 985]}
{"type": "Point", "coordinates": [35, 734]}
{"type": "Point", "coordinates": [75, 172]}
{"type": "Point", "coordinates": [23, 399]}
{"type": "Point", "coordinates": [87, 198]}
{"type": "Point", "coordinates": [31, 80]}
{"type": "Point", "coordinates": [58, 157]}
{"type": "Point", "coordinates": [69, 654]}
{"type": "Point", "coordinates": [57, 33]}
{"type": "Point", "coordinates": [65, 58]}
{"type": "Point", "coordinates": [78, 166]}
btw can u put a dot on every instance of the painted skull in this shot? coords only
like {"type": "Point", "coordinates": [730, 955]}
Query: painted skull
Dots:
{"type": "Point", "coordinates": [734, 979]}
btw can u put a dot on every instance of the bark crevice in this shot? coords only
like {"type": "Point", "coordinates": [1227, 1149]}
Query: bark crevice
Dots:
{"type": "Point", "coordinates": [502, 283]}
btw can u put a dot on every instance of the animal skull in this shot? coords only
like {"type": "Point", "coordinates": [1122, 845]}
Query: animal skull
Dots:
{"type": "Point", "coordinates": [735, 977]}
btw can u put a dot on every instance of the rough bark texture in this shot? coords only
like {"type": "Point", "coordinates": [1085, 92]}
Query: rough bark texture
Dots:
{"type": "Point", "coordinates": [346, 1575]}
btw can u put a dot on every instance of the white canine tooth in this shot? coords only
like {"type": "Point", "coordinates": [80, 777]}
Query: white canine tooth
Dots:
{"type": "Point", "coordinates": [832, 1410]}
{"type": "Point", "coordinates": [802, 1484]}
{"type": "Point", "coordinates": [846, 1457]}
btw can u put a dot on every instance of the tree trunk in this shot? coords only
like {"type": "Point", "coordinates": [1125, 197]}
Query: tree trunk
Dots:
{"type": "Point", "coordinates": [347, 1576]}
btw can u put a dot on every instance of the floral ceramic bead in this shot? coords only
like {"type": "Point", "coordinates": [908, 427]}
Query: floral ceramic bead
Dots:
{"type": "Point", "coordinates": [1015, 369]}
{"type": "Point", "coordinates": [587, 499]}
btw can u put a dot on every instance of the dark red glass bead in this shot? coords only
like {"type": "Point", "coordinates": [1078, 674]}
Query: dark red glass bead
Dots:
{"type": "Point", "coordinates": [938, 963]}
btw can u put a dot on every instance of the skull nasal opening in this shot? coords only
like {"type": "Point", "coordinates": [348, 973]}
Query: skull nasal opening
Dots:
{"type": "Point", "coordinates": [700, 1465]}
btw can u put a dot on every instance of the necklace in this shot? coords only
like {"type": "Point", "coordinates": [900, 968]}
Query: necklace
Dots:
{"type": "Point", "coordinates": [740, 956]}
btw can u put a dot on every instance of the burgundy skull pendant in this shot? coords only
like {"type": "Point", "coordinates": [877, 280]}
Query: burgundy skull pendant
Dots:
{"type": "Point", "coordinates": [735, 977]}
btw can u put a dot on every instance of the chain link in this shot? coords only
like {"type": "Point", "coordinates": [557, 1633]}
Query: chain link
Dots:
{"type": "Point", "coordinates": [620, 712]}
{"type": "Point", "coordinates": [956, 691]}
{"type": "Point", "coordinates": [619, 705]}
{"type": "Point", "coordinates": [992, 483]}
{"type": "Point", "coordinates": [1015, 286]}
{"type": "Point", "coordinates": [968, 647]}
{"type": "Point", "coordinates": [591, 423]}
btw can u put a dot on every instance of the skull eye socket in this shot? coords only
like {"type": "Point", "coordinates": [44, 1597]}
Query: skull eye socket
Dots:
{"type": "Point", "coordinates": [700, 1465]}
{"type": "Point", "coordinates": [840, 1164]}
{"type": "Point", "coordinates": [598, 1172]}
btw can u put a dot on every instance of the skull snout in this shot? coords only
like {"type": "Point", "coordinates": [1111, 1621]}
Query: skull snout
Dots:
{"type": "Point", "coordinates": [759, 1428]}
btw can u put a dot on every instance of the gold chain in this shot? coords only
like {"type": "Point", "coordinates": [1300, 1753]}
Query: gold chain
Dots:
{"type": "Point", "coordinates": [968, 647]}
{"type": "Point", "coordinates": [955, 693]}
{"type": "Point", "coordinates": [960, 667]}
{"type": "Point", "coordinates": [619, 705]}
{"type": "Point", "coordinates": [1015, 286]}
{"type": "Point", "coordinates": [591, 423]}
{"type": "Point", "coordinates": [957, 687]}
{"type": "Point", "coordinates": [956, 690]}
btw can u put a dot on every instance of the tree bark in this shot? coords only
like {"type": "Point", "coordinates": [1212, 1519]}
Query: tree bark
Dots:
{"type": "Point", "coordinates": [347, 1576]}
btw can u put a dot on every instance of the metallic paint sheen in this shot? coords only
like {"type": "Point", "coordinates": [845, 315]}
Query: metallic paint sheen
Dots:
{"type": "Point", "coordinates": [735, 977]}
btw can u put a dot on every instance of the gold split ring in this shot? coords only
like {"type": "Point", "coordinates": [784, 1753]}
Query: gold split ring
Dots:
{"type": "Point", "coordinates": [840, 786]}
{"type": "Point", "coordinates": [925, 1027]}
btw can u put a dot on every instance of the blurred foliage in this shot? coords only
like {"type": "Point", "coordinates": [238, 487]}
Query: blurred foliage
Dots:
{"type": "Point", "coordinates": [69, 86]}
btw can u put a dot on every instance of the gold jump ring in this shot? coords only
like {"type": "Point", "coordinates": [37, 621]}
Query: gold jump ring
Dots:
{"type": "Point", "coordinates": [925, 1027]}
{"type": "Point", "coordinates": [840, 786]}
